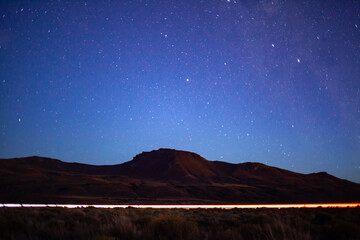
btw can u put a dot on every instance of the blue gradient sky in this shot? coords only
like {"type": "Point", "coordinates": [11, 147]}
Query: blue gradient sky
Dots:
{"type": "Point", "coordinates": [98, 82]}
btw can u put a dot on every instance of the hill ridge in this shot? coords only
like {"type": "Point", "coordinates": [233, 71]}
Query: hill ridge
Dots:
{"type": "Point", "coordinates": [166, 175]}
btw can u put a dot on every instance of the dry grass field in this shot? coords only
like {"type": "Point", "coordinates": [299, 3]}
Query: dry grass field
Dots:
{"type": "Point", "coordinates": [181, 224]}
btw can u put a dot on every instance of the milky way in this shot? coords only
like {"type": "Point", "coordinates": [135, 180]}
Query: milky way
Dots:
{"type": "Point", "coordinates": [98, 82]}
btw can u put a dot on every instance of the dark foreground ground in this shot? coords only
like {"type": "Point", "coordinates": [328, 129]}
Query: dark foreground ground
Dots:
{"type": "Point", "coordinates": [91, 223]}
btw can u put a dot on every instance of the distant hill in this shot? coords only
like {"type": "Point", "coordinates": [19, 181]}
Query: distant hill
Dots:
{"type": "Point", "coordinates": [165, 176]}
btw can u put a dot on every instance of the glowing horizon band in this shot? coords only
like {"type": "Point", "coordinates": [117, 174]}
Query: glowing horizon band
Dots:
{"type": "Point", "coordinates": [188, 206]}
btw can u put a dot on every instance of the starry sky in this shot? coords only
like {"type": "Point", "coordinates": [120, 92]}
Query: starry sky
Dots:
{"type": "Point", "coordinates": [98, 82]}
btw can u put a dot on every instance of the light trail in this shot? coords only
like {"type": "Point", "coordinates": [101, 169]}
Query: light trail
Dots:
{"type": "Point", "coordinates": [253, 206]}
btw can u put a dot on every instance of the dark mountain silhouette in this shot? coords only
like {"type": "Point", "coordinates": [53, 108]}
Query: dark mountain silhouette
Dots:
{"type": "Point", "coordinates": [165, 176]}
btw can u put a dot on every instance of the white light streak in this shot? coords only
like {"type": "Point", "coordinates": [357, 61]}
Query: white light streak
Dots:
{"type": "Point", "coordinates": [230, 206]}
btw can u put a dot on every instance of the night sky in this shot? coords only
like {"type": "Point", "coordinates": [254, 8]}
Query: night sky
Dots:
{"type": "Point", "coordinates": [276, 82]}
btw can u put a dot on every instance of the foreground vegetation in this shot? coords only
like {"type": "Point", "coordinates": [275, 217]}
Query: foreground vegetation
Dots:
{"type": "Point", "coordinates": [130, 223]}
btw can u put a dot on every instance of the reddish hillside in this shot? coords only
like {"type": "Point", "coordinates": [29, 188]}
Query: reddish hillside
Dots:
{"type": "Point", "coordinates": [169, 165]}
{"type": "Point", "coordinates": [166, 176]}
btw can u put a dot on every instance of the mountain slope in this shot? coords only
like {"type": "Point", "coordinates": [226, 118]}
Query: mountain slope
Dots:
{"type": "Point", "coordinates": [169, 165]}
{"type": "Point", "coordinates": [165, 176]}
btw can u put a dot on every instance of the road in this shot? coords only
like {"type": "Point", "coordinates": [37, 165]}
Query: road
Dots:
{"type": "Point", "coordinates": [305, 205]}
